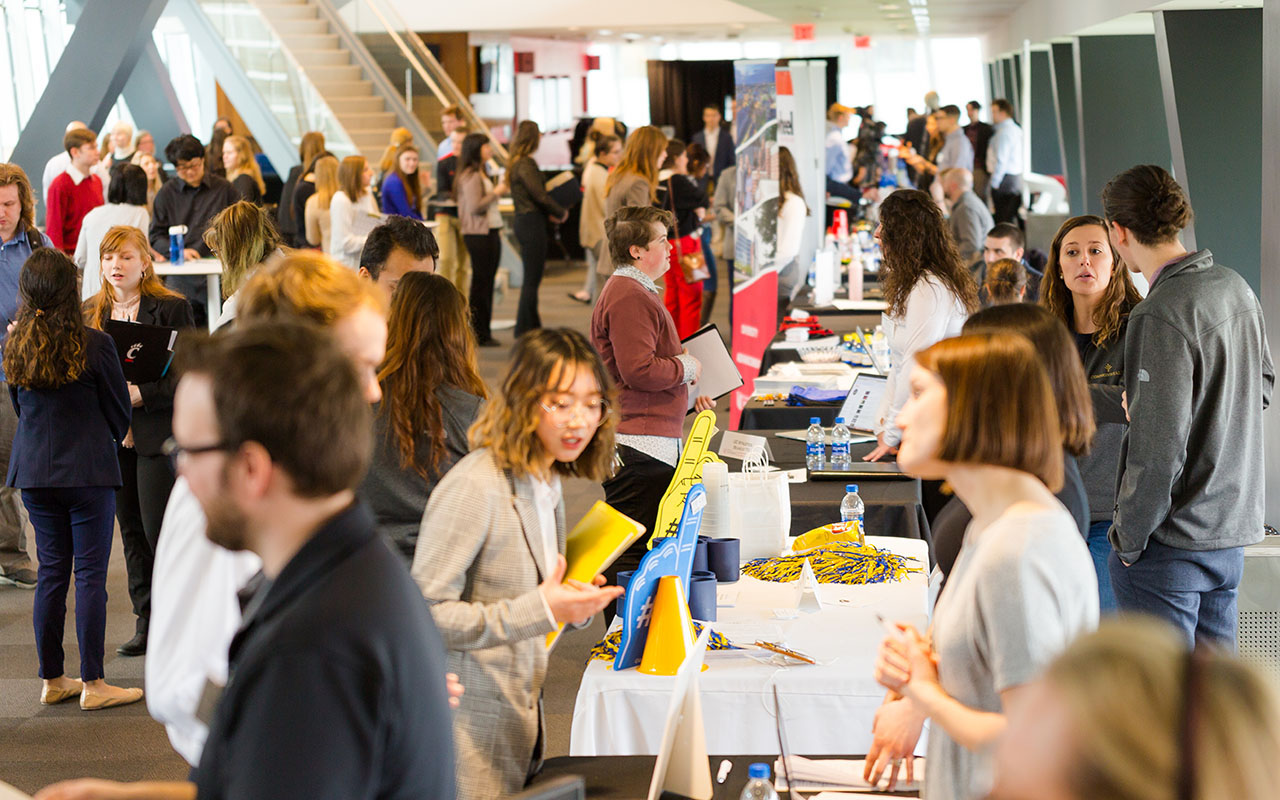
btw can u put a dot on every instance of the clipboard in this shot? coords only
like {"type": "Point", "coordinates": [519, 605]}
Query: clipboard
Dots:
{"type": "Point", "coordinates": [720, 375]}
{"type": "Point", "coordinates": [145, 350]}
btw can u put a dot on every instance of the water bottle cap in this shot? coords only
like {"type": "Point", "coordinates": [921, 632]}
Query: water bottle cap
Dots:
{"type": "Point", "coordinates": [176, 229]}
{"type": "Point", "coordinates": [839, 420]}
{"type": "Point", "coordinates": [853, 487]}
{"type": "Point", "coordinates": [758, 770]}
{"type": "Point", "coordinates": [815, 420]}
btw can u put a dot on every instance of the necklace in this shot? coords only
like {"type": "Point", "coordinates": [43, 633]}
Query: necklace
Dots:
{"type": "Point", "coordinates": [127, 310]}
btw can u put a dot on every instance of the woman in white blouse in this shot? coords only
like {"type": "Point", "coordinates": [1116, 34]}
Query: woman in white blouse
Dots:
{"type": "Point", "coordinates": [792, 211]}
{"type": "Point", "coordinates": [929, 294]}
{"type": "Point", "coordinates": [352, 211]}
{"type": "Point", "coordinates": [126, 205]}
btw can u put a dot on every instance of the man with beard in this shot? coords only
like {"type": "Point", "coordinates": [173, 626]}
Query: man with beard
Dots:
{"type": "Point", "coordinates": [336, 683]}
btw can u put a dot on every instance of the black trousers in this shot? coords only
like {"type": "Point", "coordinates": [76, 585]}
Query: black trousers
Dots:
{"type": "Point", "coordinates": [485, 251]}
{"type": "Point", "coordinates": [636, 490]}
{"type": "Point", "coordinates": [1006, 200]}
{"type": "Point", "coordinates": [531, 233]}
{"type": "Point", "coordinates": [140, 504]}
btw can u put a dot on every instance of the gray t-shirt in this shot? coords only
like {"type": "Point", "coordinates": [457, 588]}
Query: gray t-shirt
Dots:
{"type": "Point", "coordinates": [1020, 591]}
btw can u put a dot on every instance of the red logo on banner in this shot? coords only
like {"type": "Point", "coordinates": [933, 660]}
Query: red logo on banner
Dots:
{"type": "Point", "coordinates": [862, 42]}
{"type": "Point", "coordinates": [783, 79]}
{"type": "Point", "coordinates": [802, 32]}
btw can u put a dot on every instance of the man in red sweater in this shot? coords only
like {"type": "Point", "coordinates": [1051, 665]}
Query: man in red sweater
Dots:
{"type": "Point", "coordinates": [75, 192]}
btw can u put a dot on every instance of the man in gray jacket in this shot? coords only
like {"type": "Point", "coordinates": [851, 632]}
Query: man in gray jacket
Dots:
{"type": "Point", "coordinates": [970, 220]}
{"type": "Point", "coordinates": [1198, 375]}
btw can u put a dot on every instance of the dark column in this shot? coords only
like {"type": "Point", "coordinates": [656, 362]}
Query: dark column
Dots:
{"type": "Point", "coordinates": [1122, 110]}
{"type": "Point", "coordinates": [1046, 134]}
{"type": "Point", "coordinates": [109, 39]}
{"type": "Point", "coordinates": [1010, 85]}
{"type": "Point", "coordinates": [1211, 74]}
{"type": "Point", "coordinates": [1064, 78]}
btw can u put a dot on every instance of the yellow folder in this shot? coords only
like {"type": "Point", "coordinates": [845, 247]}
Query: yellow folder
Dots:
{"type": "Point", "coordinates": [602, 535]}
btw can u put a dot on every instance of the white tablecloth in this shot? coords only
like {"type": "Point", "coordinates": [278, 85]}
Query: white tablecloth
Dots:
{"type": "Point", "coordinates": [827, 708]}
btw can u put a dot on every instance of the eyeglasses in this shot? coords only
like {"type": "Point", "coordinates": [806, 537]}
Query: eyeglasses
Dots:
{"type": "Point", "coordinates": [188, 166]}
{"type": "Point", "coordinates": [175, 451]}
{"type": "Point", "coordinates": [562, 412]}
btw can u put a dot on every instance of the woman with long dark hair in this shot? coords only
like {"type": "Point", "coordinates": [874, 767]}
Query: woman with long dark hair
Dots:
{"type": "Point", "coordinates": [480, 221]}
{"type": "Point", "coordinates": [792, 210]}
{"type": "Point", "coordinates": [534, 207]}
{"type": "Point", "coordinates": [928, 290]}
{"type": "Point", "coordinates": [72, 401]}
{"type": "Point", "coordinates": [132, 292]}
{"type": "Point", "coordinates": [1087, 287]}
{"type": "Point", "coordinates": [431, 393]}
{"type": "Point", "coordinates": [678, 195]}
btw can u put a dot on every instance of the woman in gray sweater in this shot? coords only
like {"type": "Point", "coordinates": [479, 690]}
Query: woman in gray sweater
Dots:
{"type": "Point", "coordinates": [1087, 287]}
{"type": "Point", "coordinates": [431, 393]}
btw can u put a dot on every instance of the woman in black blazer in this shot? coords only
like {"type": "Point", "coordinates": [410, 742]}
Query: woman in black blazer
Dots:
{"type": "Point", "coordinates": [72, 402]}
{"type": "Point", "coordinates": [132, 292]}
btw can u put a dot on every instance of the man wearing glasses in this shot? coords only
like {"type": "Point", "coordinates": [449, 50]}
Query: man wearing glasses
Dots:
{"type": "Point", "coordinates": [193, 198]}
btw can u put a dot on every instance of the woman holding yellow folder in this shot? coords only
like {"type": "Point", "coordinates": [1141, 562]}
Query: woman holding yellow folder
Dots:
{"type": "Point", "coordinates": [490, 558]}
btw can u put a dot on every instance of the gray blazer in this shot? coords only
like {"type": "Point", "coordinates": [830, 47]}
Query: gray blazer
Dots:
{"type": "Point", "coordinates": [632, 190]}
{"type": "Point", "coordinates": [478, 562]}
{"type": "Point", "coordinates": [473, 205]}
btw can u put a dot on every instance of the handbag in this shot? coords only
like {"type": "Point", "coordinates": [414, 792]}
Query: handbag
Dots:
{"type": "Point", "coordinates": [693, 265]}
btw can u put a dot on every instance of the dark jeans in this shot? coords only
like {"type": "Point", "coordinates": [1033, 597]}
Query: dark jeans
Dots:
{"type": "Point", "coordinates": [1006, 199]}
{"type": "Point", "coordinates": [1100, 550]}
{"type": "Point", "coordinates": [73, 529]}
{"type": "Point", "coordinates": [845, 190]}
{"type": "Point", "coordinates": [1193, 589]}
{"type": "Point", "coordinates": [140, 506]}
{"type": "Point", "coordinates": [636, 490]}
{"type": "Point", "coordinates": [531, 233]}
{"type": "Point", "coordinates": [485, 252]}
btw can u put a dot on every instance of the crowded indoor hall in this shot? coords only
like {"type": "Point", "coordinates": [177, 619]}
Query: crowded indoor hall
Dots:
{"type": "Point", "coordinates": [410, 401]}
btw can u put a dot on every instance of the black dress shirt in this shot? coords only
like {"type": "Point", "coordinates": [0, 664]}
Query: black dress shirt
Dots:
{"type": "Point", "coordinates": [337, 686]}
{"type": "Point", "coordinates": [180, 203]}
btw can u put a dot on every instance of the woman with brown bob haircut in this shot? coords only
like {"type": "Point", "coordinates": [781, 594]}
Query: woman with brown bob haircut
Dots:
{"type": "Point", "coordinates": [929, 293]}
{"type": "Point", "coordinates": [431, 394]}
{"type": "Point", "coordinates": [1023, 587]}
{"type": "Point", "coordinates": [490, 557]}
{"type": "Point", "coordinates": [1088, 287]}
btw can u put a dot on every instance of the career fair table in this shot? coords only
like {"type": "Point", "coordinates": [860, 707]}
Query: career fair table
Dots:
{"type": "Point", "coordinates": [780, 350]}
{"type": "Point", "coordinates": [827, 707]}
{"type": "Point", "coordinates": [211, 269]}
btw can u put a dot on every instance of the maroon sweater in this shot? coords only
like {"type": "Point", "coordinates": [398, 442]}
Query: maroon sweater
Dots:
{"type": "Point", "coordinates": [636, 337]}
{"type": "Point", "coordinates": [66, 207]}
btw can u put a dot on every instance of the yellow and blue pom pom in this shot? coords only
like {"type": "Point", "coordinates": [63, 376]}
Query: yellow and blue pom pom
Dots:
{"type": "Point", "coordinates": [848, 563]}
{"type": "Point", "coordinates": [607, 648]}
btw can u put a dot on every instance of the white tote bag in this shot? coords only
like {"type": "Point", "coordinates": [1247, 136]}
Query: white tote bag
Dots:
{"type": "Point", "coordinates": [760, 510]}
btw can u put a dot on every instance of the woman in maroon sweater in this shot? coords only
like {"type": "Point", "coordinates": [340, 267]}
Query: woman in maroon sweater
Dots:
{"type": "Point", "coordinates": [636, 337]}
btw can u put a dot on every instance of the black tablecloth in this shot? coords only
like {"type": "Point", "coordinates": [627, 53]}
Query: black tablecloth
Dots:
{"type": "Point", "coordinates": [756, 416]}
{"type": "Point", "coordinates": [804, 300]}
{"type": "Point", "coordinates": [893, 504]}
{"type": "Point", "coordinates": [628, 777]}
{"type": "Point", "coordinates": [838, 324]}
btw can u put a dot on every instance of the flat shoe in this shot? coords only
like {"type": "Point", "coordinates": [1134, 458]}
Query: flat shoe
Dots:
{"type": "Point", "coordinates": [579, 298]}
{"type": "Point", "coordinates": [94, 702]}
{"type": "Point", "coordinates": [50, 696]}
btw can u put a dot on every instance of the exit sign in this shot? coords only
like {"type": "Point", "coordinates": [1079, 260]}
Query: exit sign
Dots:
{"type": "Point", "coordinates": [862, 42]}
{"type": "Point", "coordinates": [802, 32]}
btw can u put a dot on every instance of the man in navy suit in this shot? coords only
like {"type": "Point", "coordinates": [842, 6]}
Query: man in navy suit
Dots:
{"type": "Point", "coordinates": [717, 140]}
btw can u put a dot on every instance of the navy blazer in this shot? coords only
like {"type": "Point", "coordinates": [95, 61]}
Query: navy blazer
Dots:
{"type": "Point", "coordinates": [725, 155]}
{"type": "Point", "coordinates": [67, 437]}
{"type": "Point", "coordinates": [153, 420]}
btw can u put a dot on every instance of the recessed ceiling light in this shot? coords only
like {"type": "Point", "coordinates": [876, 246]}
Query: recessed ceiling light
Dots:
{"type": "Point", "coordinates": [604, 32]}
{"type": "Point", "coordinates": [888, 7]}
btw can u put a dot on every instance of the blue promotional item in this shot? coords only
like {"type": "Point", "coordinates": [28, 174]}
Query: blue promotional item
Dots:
{"type": "Point", "coordinates": [637, 610]}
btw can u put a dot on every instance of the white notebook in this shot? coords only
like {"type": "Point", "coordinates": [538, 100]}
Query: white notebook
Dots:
{"type": "Point", "coordinates": [719, 374]}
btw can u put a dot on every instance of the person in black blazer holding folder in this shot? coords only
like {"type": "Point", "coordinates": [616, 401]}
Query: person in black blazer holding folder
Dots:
{"type": "Point", "coordinates": [131, 292]}
{"type": "Point", "coordinates": [72, 403]}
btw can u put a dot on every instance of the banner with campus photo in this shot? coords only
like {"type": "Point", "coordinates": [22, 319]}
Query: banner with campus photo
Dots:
{"type": "Point", "coordinates": [755, 118]}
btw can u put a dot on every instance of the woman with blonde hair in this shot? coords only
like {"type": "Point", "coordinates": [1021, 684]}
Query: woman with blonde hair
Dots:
{"type": "Point", "coordinates": [1128, 713]}
{"type": "Point", "coordinates": [243, 238]}
{"type": "Point", "coordinates": [242, 169]}
{"type": "Point", "coordinates": [1023, 586]}
{"type": "Point", "coordinates": [399, 138]}
{"type": "Point", "coordinates": [350, 211]}
{"type": "Point", "coordinates": [317, 221]}
{"type": "Point", "coordinates": [132, 292]}
{"type": "Point", "coordinates": [490, 551]}
{"type": "Point", "coordinates": [634, 182]}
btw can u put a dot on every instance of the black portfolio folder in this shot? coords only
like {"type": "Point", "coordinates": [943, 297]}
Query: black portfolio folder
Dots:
{"type": "Point", "coordinates": [145, 350]}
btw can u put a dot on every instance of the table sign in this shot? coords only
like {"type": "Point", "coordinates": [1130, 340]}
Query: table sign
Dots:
{"type": "Point", "coordinates": [743, 445]}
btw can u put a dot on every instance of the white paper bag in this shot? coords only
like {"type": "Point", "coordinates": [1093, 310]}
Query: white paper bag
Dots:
{"type": "Point", "coordinates": [760, 511]}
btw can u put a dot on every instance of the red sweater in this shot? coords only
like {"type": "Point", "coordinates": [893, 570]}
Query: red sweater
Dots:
{"type": "Point", "coordinates": [636, 338]}
{"type": "Point", "coordinates": [66, 206]}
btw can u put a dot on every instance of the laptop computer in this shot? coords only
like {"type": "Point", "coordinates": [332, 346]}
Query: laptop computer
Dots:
{"type": "Point", "coordinates": [859, 409]}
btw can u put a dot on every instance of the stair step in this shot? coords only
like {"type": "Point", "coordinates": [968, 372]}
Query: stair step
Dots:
{"type": "Point", "coordinates": [341, 105]}
{"type": "Point", "coordinates": [321, 75]}
{"type": "Point", "coordinates": [301, 13]}
{"type": "Point", "coordinates": [313, 43]}
{"type": "Point", "coordinates": [291, 26]}
{"type": "Point", "coordinates": [341, 88]}
{"type": "Point", "coordinates": [321, 58]}
{"type": "Point", "coordinates": [381, 121]}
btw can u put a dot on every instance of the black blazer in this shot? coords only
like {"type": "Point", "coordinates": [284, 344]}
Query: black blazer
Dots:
{"type": "Point", "coordinates": [725, 156]}
{"type": "Point", "coordinates": [153, 420]}
{"type": "Point", "coordinates": [67, 437]}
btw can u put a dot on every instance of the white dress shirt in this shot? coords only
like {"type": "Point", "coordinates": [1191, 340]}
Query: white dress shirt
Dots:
{"type": "Point", "coordinates": [346, 236]}
{"type": "Point", "coordinates": [52, 169]}
{"type": "Point", "coordinates": [1004, 154]}
{"type": "Point", "coordinates": [95, 226]}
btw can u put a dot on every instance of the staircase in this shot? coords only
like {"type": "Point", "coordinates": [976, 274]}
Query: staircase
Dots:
{"type": "Point", "coordinates": [335, 73]}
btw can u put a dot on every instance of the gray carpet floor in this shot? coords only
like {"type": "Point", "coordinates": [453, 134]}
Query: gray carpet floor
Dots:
{"type": "Point", "coordinates": [40, 745]}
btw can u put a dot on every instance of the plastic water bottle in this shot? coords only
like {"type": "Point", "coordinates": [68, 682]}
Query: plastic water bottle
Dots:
{"type": "Point", "coordinates": [758, 786]}
{"type": "Point", "coordinates": [851, 507]}
{"type": "Point", "coordinates": [815, 445]}
{"type": "Point", "coordinates": [840, 439]}
{"type": "Point", "coordinates": [177, 251]}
